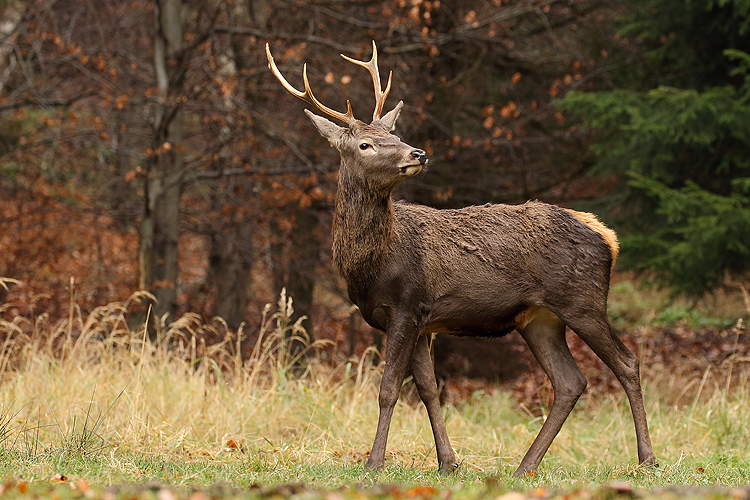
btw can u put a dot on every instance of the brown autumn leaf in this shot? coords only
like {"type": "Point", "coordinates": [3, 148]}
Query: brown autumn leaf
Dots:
{"type": "Point", "coordinates": [540, 492]}
{"type": "Point", "coordinates": [620, 487]}
{"type": "Point", "coordinates": [512, 495]}
{"type": "Point", "coordinates": [233, 444]}
{"type": "Point", "coordinates": [421, 492]}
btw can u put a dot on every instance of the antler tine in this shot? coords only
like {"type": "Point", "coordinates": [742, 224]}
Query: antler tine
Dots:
{"type": "Point", "coordinates": [347, 118]}
{"type": "Point", "coordinates": [307, 95]}
{"type": "Point", "coordinates": [372, 67]}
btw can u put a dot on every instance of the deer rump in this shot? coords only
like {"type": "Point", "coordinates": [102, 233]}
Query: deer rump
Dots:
{"type": "Point", "coordinates": [486, 270]}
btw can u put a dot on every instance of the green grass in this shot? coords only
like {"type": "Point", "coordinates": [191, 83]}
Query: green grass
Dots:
{"type": "Point", "coordinates": [635, 303]}
{"type": "Point", "coordinates": [89, 403]}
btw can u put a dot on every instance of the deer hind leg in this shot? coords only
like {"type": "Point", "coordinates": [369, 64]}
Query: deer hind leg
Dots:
{"type": "Point", "coordinates": [545, 336]}
{"type": "Point", "coordinates": [424, 377]}
{"type": "Point", "coordinates": [596, 331]}
{"type": "Point", "coordinates": [402, 338]}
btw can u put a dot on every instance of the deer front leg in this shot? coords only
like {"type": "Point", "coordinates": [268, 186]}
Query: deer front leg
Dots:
{"type": "Point", "coordinates": [424, 378]}
{"type": "Point", "coordinates": [402, 337]}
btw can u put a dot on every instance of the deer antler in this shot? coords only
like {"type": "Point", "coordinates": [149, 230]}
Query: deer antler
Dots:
{"type": "Point", "coordinates": [307, 95]}
{"type": "Point", "coordinates": [372, 67]}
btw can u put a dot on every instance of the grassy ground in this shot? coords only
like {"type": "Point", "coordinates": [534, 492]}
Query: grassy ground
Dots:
{"type": "Point", "coordinates": [89, 404]}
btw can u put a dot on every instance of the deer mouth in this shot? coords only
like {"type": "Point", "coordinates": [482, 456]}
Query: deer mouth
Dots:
{"type": "Point", "coordinates": [411, 169]}
{"type": "Point", "coordinates": [415, 168]}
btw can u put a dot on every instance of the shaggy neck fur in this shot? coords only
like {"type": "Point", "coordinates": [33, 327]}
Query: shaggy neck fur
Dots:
{"type": "Point", "coordinates": [362, 229]}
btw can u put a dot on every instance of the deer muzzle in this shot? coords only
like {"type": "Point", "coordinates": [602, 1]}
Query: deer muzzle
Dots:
{"type": "Point", "coordinates": [420, 156]}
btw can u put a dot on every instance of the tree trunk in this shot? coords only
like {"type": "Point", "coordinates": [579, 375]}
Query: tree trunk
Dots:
{"type": "Point", "coordinates": [304, 257]}
{"type": "Point", "coordinates": [294, 257]}
{"type": "Point", "coordinates": [230, 262]}
{"type": "Point", "coordinates": [278, 260]}
{"type": "Point", "coordinates": [230, 259]}
{"type": "Point", "coordinates": [164, 259]}
{"type": "Point", "coordinates": [163, 184]}
{"type": "Point", "coordinates": [294, 269]}
{"type": "Point", "coordinates": [11, 18]}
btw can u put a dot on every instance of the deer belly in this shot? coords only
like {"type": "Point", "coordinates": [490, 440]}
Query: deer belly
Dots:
{"type": "Point", "coordinates": [474, 319]}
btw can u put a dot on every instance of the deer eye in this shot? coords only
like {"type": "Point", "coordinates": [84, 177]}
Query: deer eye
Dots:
{"type": "Point", "coordinates": [364, 146]}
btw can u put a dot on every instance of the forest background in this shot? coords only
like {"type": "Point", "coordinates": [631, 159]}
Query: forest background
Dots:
{"type": "Point", "coordinates": [144, 145]}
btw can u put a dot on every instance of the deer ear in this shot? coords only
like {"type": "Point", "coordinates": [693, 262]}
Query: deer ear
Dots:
{"type": "Point", "coordinates": [389, 120]}
{"type": "Point", "coordinates": [327, 128]}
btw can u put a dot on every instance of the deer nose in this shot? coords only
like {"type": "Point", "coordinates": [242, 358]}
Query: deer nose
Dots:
{"type": "Point", "coordinates": [420, 155]}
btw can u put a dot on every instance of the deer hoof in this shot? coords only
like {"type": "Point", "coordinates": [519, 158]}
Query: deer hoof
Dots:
{"type": "Point", "coordinates": [524, 471]}
{"type": "Point", "coordinates": [372, 466]}
{"type": "Point", "coordinates": [447, 469]}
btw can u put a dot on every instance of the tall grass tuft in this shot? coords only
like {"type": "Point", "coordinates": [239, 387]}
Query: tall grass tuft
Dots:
{"type": "Point", "coordinates": [93, 383]}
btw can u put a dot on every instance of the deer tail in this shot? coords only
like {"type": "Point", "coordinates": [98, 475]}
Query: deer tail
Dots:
{"type": "Point", "coordinates": [609, 236]}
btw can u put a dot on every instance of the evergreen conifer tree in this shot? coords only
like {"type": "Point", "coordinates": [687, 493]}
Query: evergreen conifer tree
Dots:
{"type": "Point", "coordinates": [679, 133]}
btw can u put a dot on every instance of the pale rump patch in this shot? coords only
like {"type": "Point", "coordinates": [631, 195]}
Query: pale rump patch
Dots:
{"type": "Point", "coordinates": [525, 317]}
{"type": "Point", "coordinates": [610, 237]}
{"type": "Point", "coordinates": [529, 314]}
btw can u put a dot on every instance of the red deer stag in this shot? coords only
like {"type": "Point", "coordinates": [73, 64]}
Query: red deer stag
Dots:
{"type": "Point", "coordinates": [476, 271]}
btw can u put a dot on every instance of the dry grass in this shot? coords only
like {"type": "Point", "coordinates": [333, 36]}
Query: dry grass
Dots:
{"type": "Point", "coordinates": [91, 386]}
{"type": "Point", "coordinates": [176, 396]}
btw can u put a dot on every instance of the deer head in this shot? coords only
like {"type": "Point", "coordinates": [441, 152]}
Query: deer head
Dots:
{"type": "Point", "coordinates": [370, 153]}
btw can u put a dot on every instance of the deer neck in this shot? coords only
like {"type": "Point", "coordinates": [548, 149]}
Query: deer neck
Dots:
{"type": "Point", "coordinates": [362, 229]}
